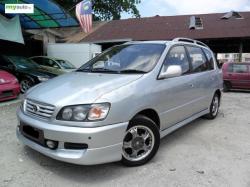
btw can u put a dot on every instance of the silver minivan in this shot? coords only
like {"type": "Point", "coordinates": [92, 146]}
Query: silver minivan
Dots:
{"type": "Point", "coordinates": [121, 103]}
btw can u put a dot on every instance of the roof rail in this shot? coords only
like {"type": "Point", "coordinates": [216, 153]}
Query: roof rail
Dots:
{"type": "Point", "coordinates": [189, 40]}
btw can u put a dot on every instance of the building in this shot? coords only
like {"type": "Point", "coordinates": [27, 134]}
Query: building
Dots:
{"type": "Point", "coordinates": [224, 33]}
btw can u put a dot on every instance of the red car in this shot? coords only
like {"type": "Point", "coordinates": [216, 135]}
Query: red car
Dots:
{"type": "Point", "coordinates": [9, 86]}
{"type": "Point", "coordinates": [236, 76]}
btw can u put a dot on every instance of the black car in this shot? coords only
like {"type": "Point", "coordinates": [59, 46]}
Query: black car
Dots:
{"type": "Point", "coordinates": [27, 72]}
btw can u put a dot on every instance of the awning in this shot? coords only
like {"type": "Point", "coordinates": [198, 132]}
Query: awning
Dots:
{"type": "Point", "coordinates": [47, 14]}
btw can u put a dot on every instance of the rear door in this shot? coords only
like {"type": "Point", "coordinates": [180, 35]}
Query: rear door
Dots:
{"type": "Point", "coordinates": [239, 75]}
{"type": "Point", "coordinates": [204, 78]}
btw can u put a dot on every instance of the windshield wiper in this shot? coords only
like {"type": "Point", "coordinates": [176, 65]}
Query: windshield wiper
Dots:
{"type": "Point", "coordinates": [103, 70]}
{"type": "Point", "coordinates": [84, 70]}
{"type": "Point", "coordinates": [132, 71]}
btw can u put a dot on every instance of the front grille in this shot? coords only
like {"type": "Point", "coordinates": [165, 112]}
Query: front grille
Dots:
{"type": "Point", "coordinates": [38, 109]}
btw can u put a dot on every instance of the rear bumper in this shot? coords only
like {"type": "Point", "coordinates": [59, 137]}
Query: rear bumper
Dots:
{"type": "Point", "coordinates": [104, 143]}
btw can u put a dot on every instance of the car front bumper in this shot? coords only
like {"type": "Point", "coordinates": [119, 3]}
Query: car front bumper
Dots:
{"type": "Point", "coordinates": [104, 143]}
{"type": "Point", "coordinates": [14, 88]}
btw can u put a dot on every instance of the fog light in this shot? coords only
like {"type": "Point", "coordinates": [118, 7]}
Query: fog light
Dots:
{"type": "Point", "coordinates": [51, 144]}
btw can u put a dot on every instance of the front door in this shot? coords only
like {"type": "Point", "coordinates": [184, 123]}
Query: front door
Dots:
{"type": "Point", "coordinates": [175, 95]}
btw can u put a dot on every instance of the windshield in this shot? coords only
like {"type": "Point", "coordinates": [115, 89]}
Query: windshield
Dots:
{"type": "Point", "coordinates": [65, 64]}
{"type": "Point", "coordinates": [22, 62]}
{"type": "Point", "coordinates": [130, 58]}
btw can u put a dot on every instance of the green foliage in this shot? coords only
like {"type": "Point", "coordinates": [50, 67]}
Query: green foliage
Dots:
{"type": "Point", "coordinates": [105, 9]}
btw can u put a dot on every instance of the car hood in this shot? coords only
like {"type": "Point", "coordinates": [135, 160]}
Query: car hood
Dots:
{"type": "Point", "coordinates": [79, 87]}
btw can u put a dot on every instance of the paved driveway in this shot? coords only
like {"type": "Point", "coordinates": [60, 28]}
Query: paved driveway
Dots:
{"type": "Point", "coordinates": [203, 153]}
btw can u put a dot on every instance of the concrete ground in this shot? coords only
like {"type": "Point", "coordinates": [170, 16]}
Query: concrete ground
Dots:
{"type": "Point", "coordinates": [203, 153]}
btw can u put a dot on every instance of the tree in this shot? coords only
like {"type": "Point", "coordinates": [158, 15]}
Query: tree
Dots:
{"type": "Point", "coordinates": [105, 9]}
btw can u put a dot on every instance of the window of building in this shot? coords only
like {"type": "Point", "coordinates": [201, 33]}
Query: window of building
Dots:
{"type": "Point", "coordinates": [195, 23]}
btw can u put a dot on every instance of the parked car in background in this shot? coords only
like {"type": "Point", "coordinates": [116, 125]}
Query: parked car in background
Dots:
{"type": "Point", "coordinates": [54, 65]}
{"type": "Point", "coordinates": [120, 104]}
{"type": "Point", "coordinates": [236, 76]}
{"type": "Point", "coordinates": [9, 86]}
{"type": "Point", "coordinates": [27, 72]}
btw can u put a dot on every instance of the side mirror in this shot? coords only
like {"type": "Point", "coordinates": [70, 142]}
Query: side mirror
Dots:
{"type": "Point", "coordinates": [172, 71]}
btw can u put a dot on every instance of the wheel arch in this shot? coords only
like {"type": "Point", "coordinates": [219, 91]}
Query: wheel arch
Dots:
{"type": "Point", "coordinates": [152, 114]}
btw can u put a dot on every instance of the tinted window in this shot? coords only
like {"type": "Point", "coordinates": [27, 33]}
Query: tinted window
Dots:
{"type": "Point", "coordinates": [177, 56]}
{"type": "Point", "coordinates": [209, 58]}
{"type": "Point", "coordinates": [130, 57]}
{"type": "Point", "coordinates": [198, 59]}
{"type": "Point", "coordinates": [22, 62]}
{"type": "Point", "coordinates": [240, 68]}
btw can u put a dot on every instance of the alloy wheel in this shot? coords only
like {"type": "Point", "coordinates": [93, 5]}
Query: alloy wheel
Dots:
{"type": "Point", "coordinates": [215, 105]}
{"type": "Point", "coordinates": [138, 143]}
{"type": "Point", "coordinates": [25, 85]}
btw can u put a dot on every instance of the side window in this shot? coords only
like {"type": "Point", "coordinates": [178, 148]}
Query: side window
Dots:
{"type": "Point", "coordinates": [230, 68]}
{"type": "Point", "coordinates": [198, 59]}
{"type": "Point", "coordinates": [38, 60]}
{"type": "Point", "coordinates": [209, 58]}
{"type": "Point", "coordinates": [240, 68]}
{"type": "Point", "coordinates": [177, 56]}
{"type": "Point", "coordinates": [50, 63]}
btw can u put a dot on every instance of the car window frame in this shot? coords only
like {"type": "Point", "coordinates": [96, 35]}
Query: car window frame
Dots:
{"type": "Point", "coordinates": [169, 50]}
{"type": "Point", "coordinates": [212, 55]}
{"type": "Point", "coordinates": [59, 65]}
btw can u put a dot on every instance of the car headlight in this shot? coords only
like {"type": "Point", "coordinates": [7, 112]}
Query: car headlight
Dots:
{"type": "Point", "coordinates": [42, 79]}
{"type": "Point", "coordinates": [81, 113]}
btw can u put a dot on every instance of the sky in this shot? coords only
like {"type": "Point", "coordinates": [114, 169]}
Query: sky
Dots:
{"type": "Point", "coordinates": [149, 8]}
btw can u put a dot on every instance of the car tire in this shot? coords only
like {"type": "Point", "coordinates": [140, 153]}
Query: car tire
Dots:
{"type": "Point", "coordinates": [141, 141]}
{"type": "Point", "coordinates": [214, 107]}
{"type": "Point", "coordinates": [226, 86]}
{"type": "Point", "coordinates": [25, 84]}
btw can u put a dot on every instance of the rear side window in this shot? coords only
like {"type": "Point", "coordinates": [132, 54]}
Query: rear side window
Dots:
{"type": "Point", "coordinates": [198, 59]}
{"type": "Point", "coordinates": [209, 58]}
{"type": "Point", "coordinates": [239, 68]}
{"type": "Point", "coordinates": [177, 56]}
